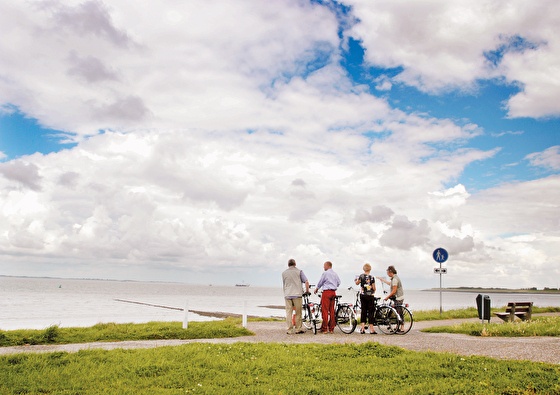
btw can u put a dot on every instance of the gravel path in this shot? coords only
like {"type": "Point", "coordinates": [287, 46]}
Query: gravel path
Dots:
{"type": "Point", "coordinates": [539, 349]}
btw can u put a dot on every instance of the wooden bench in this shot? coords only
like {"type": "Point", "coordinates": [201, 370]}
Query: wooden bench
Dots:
{"type": "Point", "coordinates": [521, 310]}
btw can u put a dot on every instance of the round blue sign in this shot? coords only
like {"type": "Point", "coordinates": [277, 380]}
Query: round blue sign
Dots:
{"type": "Point", "coordinates": [440, 255]}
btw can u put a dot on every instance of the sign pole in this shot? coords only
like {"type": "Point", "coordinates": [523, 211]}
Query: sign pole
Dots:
{"type": "Point", "coordinates": [440, 290]}
{"type": "Point", "coordinates": [440, 255]}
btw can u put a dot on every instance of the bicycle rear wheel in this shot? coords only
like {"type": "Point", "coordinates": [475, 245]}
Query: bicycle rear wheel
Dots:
{"type": "Point", "coordinates": [387, 319]}
{"type": "Point", "coordinates": [346, 319]}
{"type": "Point", "coordinates": [407, 320]}
{"type": "Point", "coordinates": [307, 319]}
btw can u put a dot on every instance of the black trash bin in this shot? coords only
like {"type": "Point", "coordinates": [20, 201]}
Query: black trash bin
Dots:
{"type": "Point", "coordinates": [483, 306]}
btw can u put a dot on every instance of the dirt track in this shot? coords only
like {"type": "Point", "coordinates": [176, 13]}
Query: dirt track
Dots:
{"type": "Point", "coordinates": [539, 349]}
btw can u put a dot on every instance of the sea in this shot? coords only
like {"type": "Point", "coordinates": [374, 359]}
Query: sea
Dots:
{"type": "Point", "coordinates": [38, 303]}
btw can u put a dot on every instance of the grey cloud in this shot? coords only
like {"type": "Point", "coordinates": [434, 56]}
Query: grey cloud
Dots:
{"type": "Point", "coordinates": [299, 191]}
{"type": "Point", "coordinates": [304, 211]}
{"type": "Point", "coordinates": [456, 245]}
{"type": "Point", "coordinates": [24, 173]}
{"type": "Point", "coordinates": [303, 203]}
{"type": "Point", "coordinates": [405, 234]}
{"type": "Point", "coordinates": [227, 197]}
{"type": "Point", "coordinates": [69, 179]}
{"type": "Point", "coordinates": [298, 182]}
{"type": "Point", "coordinates": [22, 238]}
{"type": "Point", "coordinates": [377, 214]}
{"type": "Point", "coordinates": [129, 108]}
{"type": "Point", "coordinates": [91, 17]}
{"type": "Point", "coordinates": [90, 69]}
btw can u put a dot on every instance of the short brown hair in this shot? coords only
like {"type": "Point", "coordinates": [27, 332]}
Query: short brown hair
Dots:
{"type": "Point", "coordinates": [392, 269]}
{"type": "Point", "coordinates": [291, 262]}
{"type": "Point", "coordinates": [367, 267]}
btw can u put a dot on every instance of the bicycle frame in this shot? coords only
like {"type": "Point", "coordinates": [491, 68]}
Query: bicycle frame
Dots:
{"type": "Point", "coordinates": [344, 314]}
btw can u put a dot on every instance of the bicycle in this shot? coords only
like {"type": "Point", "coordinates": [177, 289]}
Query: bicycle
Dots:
{"type": "Point", "coordinates": [309, 313]}
{"type": "Point", "coordinates": [385, 317]}
{"type": "Point", "coordinates": [346, 319]}
{"type": "Point", "coordinates": [312, 317]}
{"type": "Point", "coordinates": [405, 319]}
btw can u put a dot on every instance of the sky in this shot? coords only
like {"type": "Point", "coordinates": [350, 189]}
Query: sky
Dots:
{"type": "Point", "coordinates": [209, 142]}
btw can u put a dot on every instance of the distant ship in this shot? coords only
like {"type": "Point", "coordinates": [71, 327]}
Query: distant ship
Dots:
{"type": "Point", "coordinates": [243, 284]}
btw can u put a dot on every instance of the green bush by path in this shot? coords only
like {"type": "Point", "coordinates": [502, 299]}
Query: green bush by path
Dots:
{"type": "Point", "coordinates": [229, 327]}
{"type": "Point", "coordinates": [248, 368]}
{"type": "Point", "coordinates": [538, 326]}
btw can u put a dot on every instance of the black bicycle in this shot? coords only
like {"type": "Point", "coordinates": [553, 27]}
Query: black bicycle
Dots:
{"type": "Point", "coordinates": [310, 312]}
{"type": "Point", "coordinates": [312, 318]}
{"type": "Point", "coordinates": [346, 319]}
{"type": "Point", "coordinates": [405, 319]}
{"type": "Point", "coordinates": [385, 317]}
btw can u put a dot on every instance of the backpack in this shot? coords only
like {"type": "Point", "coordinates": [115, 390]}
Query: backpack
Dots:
{"type": "Point", "coordinates": [367, 282]}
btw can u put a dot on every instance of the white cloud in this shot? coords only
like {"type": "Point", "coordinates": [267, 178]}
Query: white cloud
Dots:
{"type": "Point", "coordinates": [233, 140]}
{"type": "Point", "coordinates": [444, 46]}
{"type": "Point", "coordinates": [549, 158]}
{"type": "Point", "coordinates": [182, 199]}
{"type": "Point", "coordinates": [198, 66]}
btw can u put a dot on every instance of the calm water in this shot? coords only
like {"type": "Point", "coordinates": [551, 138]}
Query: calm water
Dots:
{"type": "Point", "coordinates": [37, 303]}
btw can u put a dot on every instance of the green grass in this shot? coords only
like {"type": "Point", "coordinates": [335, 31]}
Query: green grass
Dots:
{"type": "Point", "coordinates": [538, 326]}
{"type": "Point", "coordinates": [248, 368]}
{"type": "Point", "coordinates": [229, 327]}
{"type": "Point", "coordinates": [263, 368]}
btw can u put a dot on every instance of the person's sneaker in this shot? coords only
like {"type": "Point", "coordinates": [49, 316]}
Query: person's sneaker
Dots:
{"type": "Point", "coordinates": [300, 332]}
{"type": "Point", "coordinates": [362, 331]}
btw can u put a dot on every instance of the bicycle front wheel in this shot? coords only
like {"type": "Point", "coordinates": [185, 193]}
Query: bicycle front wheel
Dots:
{"type": "Point", "coordinates": [387, 319]}
{"type": "Point", "coordinates": [406, 321]}
{"type": "Point", "coordinates": [306, 318]}
{"type": "Point", "coordinates": [346, 319]}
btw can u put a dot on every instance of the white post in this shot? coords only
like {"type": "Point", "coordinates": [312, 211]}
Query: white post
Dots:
{"type": "Point", "coordinates": [244, 320]}
{"type": "Point", "coordinates": [186, 319]}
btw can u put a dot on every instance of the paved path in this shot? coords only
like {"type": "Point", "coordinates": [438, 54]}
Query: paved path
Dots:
{"type": "Point", "coordinates": [540, 349]}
